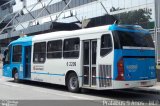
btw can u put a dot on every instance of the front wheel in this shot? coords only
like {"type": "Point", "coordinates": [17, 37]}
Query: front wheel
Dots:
{"type": "Point", "coordinates": [16, 77]}
{"type": "Point", "coordinates": [73, 83]}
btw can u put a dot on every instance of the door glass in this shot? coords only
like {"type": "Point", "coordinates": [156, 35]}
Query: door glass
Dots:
{"type": "Point", "coordinates": [86, 53]}
{"type": "Point", "coordinates": [86, 75]}
{"type": "Point", "coordinates": [27, 61]}
{"type": "Point", "coordinates": [93, 66]}
{"type": "Point", "coordinates": [86, 61]}
{"type": "Point", "coordinates": [94, 52]}
{"type": "Point", "coordinates": [93, 75]}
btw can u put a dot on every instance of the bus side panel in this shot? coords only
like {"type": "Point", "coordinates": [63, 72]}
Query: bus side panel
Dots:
{"type": "Point", "coordinates": [117, 56]}
{"type": "Point", "coordinates": [7, 71]}
{"type": "Point", "coordinates": [54, 70]}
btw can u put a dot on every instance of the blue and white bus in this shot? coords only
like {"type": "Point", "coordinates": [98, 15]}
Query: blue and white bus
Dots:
{"type": "Point", "coordinates": [104, 57]}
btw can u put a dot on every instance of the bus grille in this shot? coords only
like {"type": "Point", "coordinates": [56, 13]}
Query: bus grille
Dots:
{"type": "Point", "coordinates": [105, 76]}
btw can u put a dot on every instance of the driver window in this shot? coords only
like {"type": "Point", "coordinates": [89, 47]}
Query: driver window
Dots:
{"type": "Point", "coordinates": [6, 59]}
{"type": "Point", "coordinates": [17, 53]}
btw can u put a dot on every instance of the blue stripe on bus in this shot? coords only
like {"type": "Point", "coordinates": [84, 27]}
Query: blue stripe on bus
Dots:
{"type": "Point", "coordinates": [48, 74]}
{"type": "Point", "coordinates": [116, 28]}
{"type": "Point", "coordinates": [64, 75]}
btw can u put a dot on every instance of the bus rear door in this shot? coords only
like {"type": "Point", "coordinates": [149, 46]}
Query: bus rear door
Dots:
{"type": "Point", "coordinates": [89, 63]}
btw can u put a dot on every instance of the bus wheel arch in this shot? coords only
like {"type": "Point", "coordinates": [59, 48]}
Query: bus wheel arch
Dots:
{"type": "Point", "coordinates": [15, 74]}
{"type": "Point", "coordinates": [71, 81]}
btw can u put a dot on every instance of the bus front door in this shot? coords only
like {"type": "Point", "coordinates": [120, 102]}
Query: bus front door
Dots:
{"type": "Point", "coordinates": [27, 62]}
{"type": "Point", "coordinates": [89, 63]}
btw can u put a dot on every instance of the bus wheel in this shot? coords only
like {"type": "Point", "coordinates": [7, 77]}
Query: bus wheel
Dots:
{"type": "Point", "coordinates": [16, 78]}
{"type": "Point", "coordinates": [72, 83]}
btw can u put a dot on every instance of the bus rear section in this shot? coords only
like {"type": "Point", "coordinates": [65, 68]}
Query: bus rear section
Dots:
{"type": "Point", "coordinates": [134, 59]}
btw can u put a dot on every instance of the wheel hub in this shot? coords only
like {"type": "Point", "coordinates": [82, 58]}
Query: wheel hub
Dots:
{"type": "Point", "coordinates": [73, 82]}
{"type": "Point", "coordinates": [16, 76]}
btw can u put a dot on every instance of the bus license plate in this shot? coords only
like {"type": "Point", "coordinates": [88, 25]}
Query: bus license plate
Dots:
{"type": "Point", "coordinates": [143, 83]}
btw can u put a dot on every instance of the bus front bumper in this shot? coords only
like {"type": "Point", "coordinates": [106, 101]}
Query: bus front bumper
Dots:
{"type": "Point", "coordinates": [7, 73]}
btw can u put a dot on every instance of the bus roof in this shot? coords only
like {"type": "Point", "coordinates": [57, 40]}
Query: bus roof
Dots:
{"type": "Point", "coordinates": [23, 40]}
{"type": "Point", "coordinates": [128, 28]}
{"type": "Point", "coordinates": [61, 34]}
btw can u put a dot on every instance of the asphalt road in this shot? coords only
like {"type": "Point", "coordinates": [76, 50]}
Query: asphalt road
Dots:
{"type": "Point", "coordinates": [40, 94]}
{"type": "Point", "coordinates": [28, 90]}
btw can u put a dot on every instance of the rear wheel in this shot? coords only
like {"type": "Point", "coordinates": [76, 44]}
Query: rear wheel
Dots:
{"type": "Point", "coordinates": [73, 83]}
{"type": "Point", "coordinates": [16, 77]}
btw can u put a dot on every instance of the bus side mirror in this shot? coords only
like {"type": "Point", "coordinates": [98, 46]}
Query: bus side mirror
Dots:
{"type": "Point", "coordinates": [5, 52]}
{"type": "Point", "coordinates": [3, 60]}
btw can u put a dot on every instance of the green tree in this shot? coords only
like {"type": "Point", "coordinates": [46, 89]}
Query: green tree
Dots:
{"type": "Point", "coordinates": [139, 17]}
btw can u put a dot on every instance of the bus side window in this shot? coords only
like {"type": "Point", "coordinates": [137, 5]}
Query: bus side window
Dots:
{"type": "Point", "coordinates": [106, 44]}
{"type": "Point", "coordinates": [39, 52]}
{"type": "Point", "coordinates": [17, 53]}
{"type": "Point", "coordinates": [54, 49]}
{"type": "Point", "coordinates": [71, 48]}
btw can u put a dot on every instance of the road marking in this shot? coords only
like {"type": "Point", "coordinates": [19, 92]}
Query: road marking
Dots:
{"type": "Point", "coordinates": [9, 84]}
{"type": "Point", "coordinates": [64, 95]}
{"type": "Point", "coordinates": [81, 98]}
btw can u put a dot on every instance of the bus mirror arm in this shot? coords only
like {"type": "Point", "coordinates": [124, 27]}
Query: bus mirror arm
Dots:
{"type": "Point", "coordinates": [5, 52]}
{"type": "Point", "coordinates": [3, 59]}
{"type": "Point", "coordinates": [116, 22]}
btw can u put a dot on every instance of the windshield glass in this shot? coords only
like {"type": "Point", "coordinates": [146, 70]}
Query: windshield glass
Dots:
{"type": "Point", "coordinates": [134, 39]}
{"type": "Point", "coordinates": [6, 59]}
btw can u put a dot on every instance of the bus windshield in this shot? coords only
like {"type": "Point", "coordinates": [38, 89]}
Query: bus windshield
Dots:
{"type": "Point", "coordinates": [6, 57]}
{"type": "Point", "coordinates": [134, 39]}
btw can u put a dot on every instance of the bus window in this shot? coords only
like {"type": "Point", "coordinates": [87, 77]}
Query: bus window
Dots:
{"type": "Point", "coordinates": [17, 53]}
{"type": "Point", "coordinates": [134, 39]}
{"type": "Point", "coordinates": [54, 49]}
{"type": "Point", "coordinates": [106, 44]}
{"type": "Point", "coordinates": [71, 48]}
{"type": "Point", "coordinates": [6, 59]}
{"type": "Point", "coordinates": [39, 52]}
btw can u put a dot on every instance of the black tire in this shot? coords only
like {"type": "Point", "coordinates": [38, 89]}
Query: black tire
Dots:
{"type": "Point", "coordinates": [16, 77]}
{"type": "Point", "coordinates": [73, 83]}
